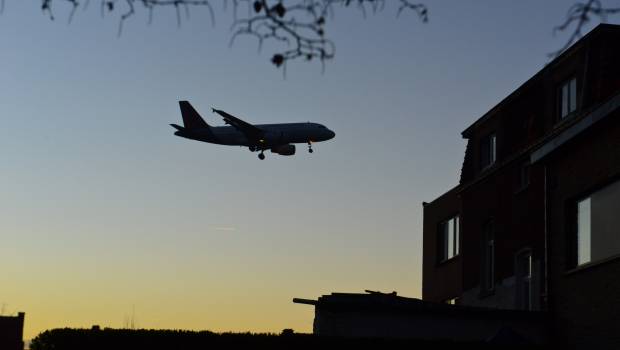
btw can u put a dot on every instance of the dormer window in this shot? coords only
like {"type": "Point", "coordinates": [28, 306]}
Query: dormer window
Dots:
{"type": "Point", "coordinates": [567, 96]}
{"type": "Point", "coordinates": [488, 151]}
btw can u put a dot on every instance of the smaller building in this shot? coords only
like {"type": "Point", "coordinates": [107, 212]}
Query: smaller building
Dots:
{"type": "Point", "coordinates": [387, 315]}
{"type": "Point", "coordinates": [12, 332]}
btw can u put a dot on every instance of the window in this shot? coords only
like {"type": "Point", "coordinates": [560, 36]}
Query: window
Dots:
{"type": "Point", "coordinates": [448, 239]}
{"type": "Point", "coordinates": [597, 223]}
{"type": "Point", "coordinates": [524, 175]}
{"type": "Point", "coordinates": [453, 301]}
{"type": "Point", "coordinates": [489, 257]}
{"type": "Point", "coordinates": [584, 245]}
{"type": "Point", "coordinates": [567, 96]}
{"type": "Point", "coordinates": [524, 280]}
{"type": "Point", "coordinates": [488, 151]}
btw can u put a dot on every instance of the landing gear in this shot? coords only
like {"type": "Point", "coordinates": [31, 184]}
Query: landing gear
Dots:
{"type": "Point", "coordinates": [310, 150]}
{"type": "Point", "coordinates": [261, 156]}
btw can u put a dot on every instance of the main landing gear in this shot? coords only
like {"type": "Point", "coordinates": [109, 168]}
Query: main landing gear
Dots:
{"type": "Point", "coordinates": [310, 150]}
{"type": "Point", "coordinates": [261, 155]}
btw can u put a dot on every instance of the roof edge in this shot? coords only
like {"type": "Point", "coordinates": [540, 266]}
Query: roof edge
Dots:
{"type": "Point", "coordinates": [568, 52]}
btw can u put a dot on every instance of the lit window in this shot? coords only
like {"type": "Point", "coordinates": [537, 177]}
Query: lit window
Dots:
{"type": "Point", "coordinates": [448, 239]}
{"type": "Point", "coordinates": [488, 151]}
{"type": "Point", "coordinates": [597, 225]}
{"type": "Point", "coordinates": [584, 233]}
{"type": "Point", "coordinates": [568, 98]}
{"type": "Point", "coordinates": [452, 301]}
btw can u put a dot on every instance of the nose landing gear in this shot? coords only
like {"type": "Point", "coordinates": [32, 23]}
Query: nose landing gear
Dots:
{"type": "Point", "coordinates": [261, 155]}
{"type": "Point", "coordinates": [310, 150]}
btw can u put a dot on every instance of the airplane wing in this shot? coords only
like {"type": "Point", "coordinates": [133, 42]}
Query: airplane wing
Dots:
{"type": "Point", "coordinates": [251, 132]}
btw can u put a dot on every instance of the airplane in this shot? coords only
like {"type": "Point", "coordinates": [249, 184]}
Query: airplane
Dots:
{"type": "Point", "coordinates": [279, 138]}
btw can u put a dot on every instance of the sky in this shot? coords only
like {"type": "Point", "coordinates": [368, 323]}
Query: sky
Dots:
{"type": "Point", "coordinates": [106, 215]}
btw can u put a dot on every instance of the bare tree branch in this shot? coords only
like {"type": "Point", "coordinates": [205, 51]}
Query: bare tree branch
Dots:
{"type": "Point", "coordinates": [299, 25]}
{"type": "Point", "coordinates": [578, 16]}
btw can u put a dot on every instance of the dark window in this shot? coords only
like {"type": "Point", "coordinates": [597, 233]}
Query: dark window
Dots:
{"type": "Point", "coordinates": [597, 223]}
{"type": "Point", "coordinates": [567, 98]}
{"type": "Point", "coordinates": [448, 239]}
{"type": "Point", "coordinates": [489, 258]}
{"type": "Point", "coordinates": [523, 177]}
{"type": "Point", "coordinates": [488, 151]}
{"type": "Point", "coordinates": [524, 280]}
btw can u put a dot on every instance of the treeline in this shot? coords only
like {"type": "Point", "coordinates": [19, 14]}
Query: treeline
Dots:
{"type": "Point", "coordinates": [143, 339]}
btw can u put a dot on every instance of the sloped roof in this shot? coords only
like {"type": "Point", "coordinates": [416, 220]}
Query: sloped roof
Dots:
{"type": "Point", "coordinates": [578, 44]}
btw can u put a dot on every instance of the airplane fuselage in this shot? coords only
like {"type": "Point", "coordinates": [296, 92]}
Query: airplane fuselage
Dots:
{"type": "Point", "coordinates": [274, 134]}
{"type": "Point", "coordinates": [280, 138]}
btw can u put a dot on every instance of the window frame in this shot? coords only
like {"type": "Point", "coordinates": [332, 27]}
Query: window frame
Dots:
{"type": "Point", "coordinates": [568, 83]}
{"type": "Point", "coordinates": [577, 239]}
{"type": "Point", "coordinates": [452, 301]}
{"type": "Point", "coordinates": [572, 232]}
{"type": "Point", "coordinates": [443, 239]}
{"type": "Point", "coordinates": [520, 278]}
{"type": "Point", "coordinates": [487, 281]}
{"type": "Point", "coordinates": [524, 174]}
{"type": "Point", "coordinates": [488, 149]}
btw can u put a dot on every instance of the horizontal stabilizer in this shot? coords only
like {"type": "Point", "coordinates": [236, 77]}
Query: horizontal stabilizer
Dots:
{"type": "Point", "coordinates": [178, 127]}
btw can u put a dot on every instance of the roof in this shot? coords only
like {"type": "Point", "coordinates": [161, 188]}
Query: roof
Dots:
{"type": "Point", "coordinates": [593, 33]}
{"type": "Point", "coordinates": [393, 303]}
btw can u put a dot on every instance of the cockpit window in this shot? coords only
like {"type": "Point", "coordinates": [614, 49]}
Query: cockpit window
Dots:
{"type": "Point", "coordinates": [321, 126]}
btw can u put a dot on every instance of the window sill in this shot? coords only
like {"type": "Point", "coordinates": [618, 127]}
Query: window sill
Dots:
{"type": "Point", "coordinates": [487, 167]}
{"type": "Point", "coordinates": [592, 264]}
{"type": "Point", "coordinates": [486, 293]}
{"type": "Point", "coordinates": [448, 261]}
{"type": "Point", "coordinates": [521, 189]}
{"type": "Point", "coordinates": [566, 119]}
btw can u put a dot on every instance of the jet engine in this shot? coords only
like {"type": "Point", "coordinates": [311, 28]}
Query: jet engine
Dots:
{"type": "Point", "coordinates": [284, 150]}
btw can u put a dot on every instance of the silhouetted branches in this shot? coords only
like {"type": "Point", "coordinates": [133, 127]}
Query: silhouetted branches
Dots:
{"type": "Point", "coordinates": [578, 16]}
{"type": "Point", "coordinates": [299, 25]}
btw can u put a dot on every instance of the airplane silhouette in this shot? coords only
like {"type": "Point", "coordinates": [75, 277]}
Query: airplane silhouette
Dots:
{"type": "Point", "coordinates": [279, 138]}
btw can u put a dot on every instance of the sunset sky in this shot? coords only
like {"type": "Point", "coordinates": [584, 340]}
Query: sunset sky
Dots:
{"type": "Point", "coordinates": [104, 211]}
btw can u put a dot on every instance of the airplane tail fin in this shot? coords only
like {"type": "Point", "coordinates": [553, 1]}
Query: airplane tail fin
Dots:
{"type": "Point", "coordinates": [191, 118]}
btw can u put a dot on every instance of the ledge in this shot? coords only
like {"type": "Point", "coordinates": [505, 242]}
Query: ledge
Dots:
{"type": "Point", "coordinates": [448, 261]}
{"type": "Point", "coordinates": [592, 264]}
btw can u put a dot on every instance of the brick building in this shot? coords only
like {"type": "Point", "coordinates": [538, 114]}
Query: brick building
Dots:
{"type": "Point", "coordinates": [388, 315]}
{"type": "Point", "coordinates": [534, 223]}
{"type": "Point", "coordinates": [12, 332]}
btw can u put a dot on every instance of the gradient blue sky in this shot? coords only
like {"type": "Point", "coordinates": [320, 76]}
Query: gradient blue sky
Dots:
{"type": "Point", "coordinates": [104, 211]}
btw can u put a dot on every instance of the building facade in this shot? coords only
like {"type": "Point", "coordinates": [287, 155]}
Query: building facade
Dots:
{"type": "Point", "coordinates": [534, 223]}
{"type": "Point", "coordinates": [390, 316]}
{"type": "Point", "coordinates": [12, 332]}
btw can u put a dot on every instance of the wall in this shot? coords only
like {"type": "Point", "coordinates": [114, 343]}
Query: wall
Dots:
{"type": "Point", "coordinates": [459, 325]}
{"type": "Point", "coordinates": [440, 280]}
{"type": "Point", "coordinates": [586, 300]}
{"type": "Point", "coordinates": [11, 332]}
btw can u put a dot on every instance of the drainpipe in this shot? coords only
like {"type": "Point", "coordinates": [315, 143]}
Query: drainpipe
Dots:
{"type": "Point", "coordinates": [546, 292]}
